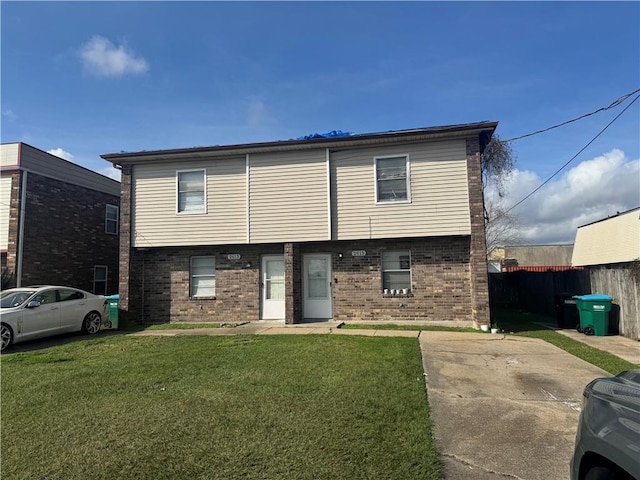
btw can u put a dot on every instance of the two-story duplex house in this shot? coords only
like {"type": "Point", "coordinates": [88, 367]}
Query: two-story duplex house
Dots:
{"type": "Point", "coordinates": [59, 222]}
{"type": "Point", "coordinates": [381, 226]}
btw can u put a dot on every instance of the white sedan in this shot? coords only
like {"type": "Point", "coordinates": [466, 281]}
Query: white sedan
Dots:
{"type": "Point", "coordinates": [42, 311]}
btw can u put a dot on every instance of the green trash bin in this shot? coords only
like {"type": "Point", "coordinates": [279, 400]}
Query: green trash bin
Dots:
{"type": "Point", "coordinates": [594, 313]}
{"type": "Point", "coordinates": [114, 304]}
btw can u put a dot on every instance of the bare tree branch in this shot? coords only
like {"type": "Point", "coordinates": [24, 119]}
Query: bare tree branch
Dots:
{"type": "Point", "coordinates": [497, 161]}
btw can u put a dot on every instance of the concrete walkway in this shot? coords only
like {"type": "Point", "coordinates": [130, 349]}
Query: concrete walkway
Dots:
{"type": "Point", "coordinates": [503, 406]}
{"type": "Point", "coordinates": [620, 346]}
{"type": "Point", "coordinates": [617, 345]}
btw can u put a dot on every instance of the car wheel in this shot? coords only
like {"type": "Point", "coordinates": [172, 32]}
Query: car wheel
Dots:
{"type": "Point", "coordinates": [589, 331]}
{"type": "Point", "coordinates": [602, 473]}
{"type": "Point", "coordinates": [6, 334]}
{"type": "Point", "coordinates": [91, 323]}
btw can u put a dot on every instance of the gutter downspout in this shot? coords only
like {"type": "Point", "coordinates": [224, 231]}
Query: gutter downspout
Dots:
{"type": "Point", "coordinates": [23, 201]}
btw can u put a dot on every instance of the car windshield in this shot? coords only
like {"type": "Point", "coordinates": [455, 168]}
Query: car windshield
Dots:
{"type": "Point", "coordinates": [10, 298]}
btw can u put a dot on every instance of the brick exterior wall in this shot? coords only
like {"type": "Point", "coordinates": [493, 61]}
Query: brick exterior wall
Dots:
{"type": "Point", "coordinates": [440, 277]}
{"type": "Point", "coordinates": [64, 234]}
{"type": "Point", "coordinates": [478, 252]}
{"type": "Point", "coordinates": [160, 281]}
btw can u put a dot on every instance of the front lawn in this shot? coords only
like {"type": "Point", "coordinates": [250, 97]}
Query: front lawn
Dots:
{"type": "Point", "coordinates": [241, 407]}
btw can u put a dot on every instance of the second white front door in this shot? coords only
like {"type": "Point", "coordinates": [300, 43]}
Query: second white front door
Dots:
{"type": "Point", "coordinates": [273, 287]}
{"type": "Point", "coordinates": [317, 286]}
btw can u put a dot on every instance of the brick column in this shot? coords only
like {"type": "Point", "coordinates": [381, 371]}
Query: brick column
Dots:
{"type": "Point", "coordinates": [292, 282]}
{"type": "Point", "coordinates": [125, 243]}
{"type": "Point", "coordinates": [478, 254]}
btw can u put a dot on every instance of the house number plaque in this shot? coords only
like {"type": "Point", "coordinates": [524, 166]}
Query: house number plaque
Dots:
{"type": "Point", "coordinates": [233, 256]}
{"type": "Point", "coordinates": [358, 253]}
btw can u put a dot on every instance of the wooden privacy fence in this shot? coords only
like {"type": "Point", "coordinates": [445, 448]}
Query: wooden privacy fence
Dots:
{"type": "Point", "coordinates": [537, 292]}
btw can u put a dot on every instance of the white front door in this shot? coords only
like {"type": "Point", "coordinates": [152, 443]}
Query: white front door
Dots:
{"type": "Point", "coordinates": [317, 286]}
{"type": "Point", "coordinates": [273, 287]}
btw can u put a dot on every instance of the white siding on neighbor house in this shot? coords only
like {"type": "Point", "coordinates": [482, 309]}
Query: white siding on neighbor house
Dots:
{"type": "Point", "coordinates": [9, 154]}
{"type": "Point", "coordinates": [45, 164]}
{"type": "Point", "coordinates": [288, 196]}
{"type": "Point", "coordinates": [439, 193]}
{"type": "Point", "coordinates": [615, 240]}
{"type": "Point", "coordinates": [155, 221]}
{"type": "Point", "coordinates": [5, 201]}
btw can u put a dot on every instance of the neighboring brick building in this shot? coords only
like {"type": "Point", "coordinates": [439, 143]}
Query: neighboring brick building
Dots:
{"type": "Point", "coordinates": [382, 226]}
{"type": "Point", "coordinates": [59, 222]}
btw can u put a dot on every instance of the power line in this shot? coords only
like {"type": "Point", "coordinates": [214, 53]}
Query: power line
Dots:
{"type": "Point", "coordinates": [602, 109]}
{"type": "Point", "coordinates": [572, 158]}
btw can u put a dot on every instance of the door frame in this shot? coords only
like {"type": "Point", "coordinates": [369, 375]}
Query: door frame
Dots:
{"type": "Point", "coordinates": [305, 286]}
{"type": "Point", "coordinates": [263, 289]}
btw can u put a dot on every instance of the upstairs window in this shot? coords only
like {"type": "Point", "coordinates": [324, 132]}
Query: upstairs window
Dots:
{"type": "Point", "coordinates": [396, 270]}
{"type": "Point", "coordinates": [203, 276]}
{"type": "Point", "coordinates": [111, 219]}
{"type": "Point", "coordinates": [392, 179]}
{"type": "Point", "coordinates": [191, 191]}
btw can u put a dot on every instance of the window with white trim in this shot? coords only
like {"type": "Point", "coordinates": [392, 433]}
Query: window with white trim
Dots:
{"type": "Point", "coordinates": [191, 191]}
{"type": "Point", "coordinates": [111, 219]}
{"type": "Point", "coordinates": [100, 279]}
{"type": "Point", "coordinates": [396, 270]}
{"type": "Point", "coordinates": [203, 277]}
{"type": "Point", "coordinates": [392, 179]}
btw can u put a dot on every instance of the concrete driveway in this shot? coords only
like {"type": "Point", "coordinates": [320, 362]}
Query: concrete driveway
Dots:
{"type": "Point", "coordinates": [503, 406]}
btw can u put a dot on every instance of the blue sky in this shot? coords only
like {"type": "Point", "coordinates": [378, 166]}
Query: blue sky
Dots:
{"type": "Point", "coordinates": [85, 78]}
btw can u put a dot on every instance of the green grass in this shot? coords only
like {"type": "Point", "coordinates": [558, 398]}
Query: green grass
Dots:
{"type": "Point", "coordinates": [416, 327]}
{"type": "Point", "coordinates": [241, 407]}
{"type": "Point", "coordinates": [529, 325]}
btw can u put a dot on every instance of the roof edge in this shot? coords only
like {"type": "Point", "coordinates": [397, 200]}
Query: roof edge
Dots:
{"type": "Point", "coordinates": [353, 140]}
{"type": "Point", "coordinates": [618, 214]}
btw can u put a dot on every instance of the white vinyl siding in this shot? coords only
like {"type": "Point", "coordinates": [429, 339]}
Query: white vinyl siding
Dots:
{"type": "Point", "coordinates": [396, 270]}
{"type": "Point", "coordinates": [111, 219]}
{"type": "Point", "coordinates": [5, 202]}
{"type": "Point", "coordinates": [9, 154]}
{"type": "Point", "coordinates": [191, 191]}
{"type": "Point", "coordinates": [438, 191]}
{"type": "Point", "coordinates": [392, 179]}
{"type": "Point", "coordinates": [615, 240]}
{"type": "Point", "coordinates": [288, 196]}
{"type": "Point", "coordinates": [155, 222]}
{"type": "Point", "coordinates": [203, 277]}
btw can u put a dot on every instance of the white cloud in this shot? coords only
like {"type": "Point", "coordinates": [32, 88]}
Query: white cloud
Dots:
{"type": "Point", "coordinates": [258, 115]}
{"type": "Point", "coordinates": [59, 152]}
{"type": "Point", "coordinates": [592, 190]}
{"type": "Point", "coordinates": [104, 59]}
{"type": "Point", "coordinates": [9, 115]}
{"type": "Point", "coordinates": [110, 172]}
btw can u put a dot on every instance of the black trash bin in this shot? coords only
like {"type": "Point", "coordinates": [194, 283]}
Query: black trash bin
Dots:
{"type": "Point", "coordinates": [566, 311]}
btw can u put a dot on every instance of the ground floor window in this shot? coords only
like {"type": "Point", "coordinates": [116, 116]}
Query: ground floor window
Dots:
{"type": "Point", "coordinates": [396, 270]}
{"type": "Point", "coordinates": [203, 276]}
{"type": "Point", "coordinates": [100, 280]}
